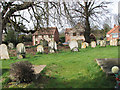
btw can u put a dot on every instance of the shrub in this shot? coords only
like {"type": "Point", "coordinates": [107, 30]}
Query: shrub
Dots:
{"type": "Point", "coordinates": [22, 71]}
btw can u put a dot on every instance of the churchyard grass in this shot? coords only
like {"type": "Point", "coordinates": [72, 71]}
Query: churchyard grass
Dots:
{"type": "Point", "coordinates": [69, 69]}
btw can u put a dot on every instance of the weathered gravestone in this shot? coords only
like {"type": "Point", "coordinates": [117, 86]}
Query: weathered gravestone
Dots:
{"type": "Point", "coordinates": [52, 46]}
{"type": "Point", "coordinates": [98, 42]}
{"type": "Point", "coordinates": [21, 51]}
{"type": "Point", "coordinates": [102, 43]}
{"type": "Point", "coordinates": [87, 44]}
{"type": "Point", "coordinates": [93, 44]}
{"type": "Point", "coordinates": [4, 52]}
{"type": "Point", "coordinates": [113, 42]}
{"type": "Point", "coordinates": [83, 45]}
{"type": "Point", "coordinates": [73, 44]}
{"type": "Point", "coordinates": [10, 46]}
{"type": "Point", "coordinates": [40, 49]}
{"type": "Point", "coordinates": [119, 43]}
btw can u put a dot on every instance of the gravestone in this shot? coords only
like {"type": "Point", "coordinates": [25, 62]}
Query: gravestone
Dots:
{"type": "Point", "coordinates": [83, 45]}
{"type": "Point", "coordinates": [102, 43]}
{"type": "Point", "coordinates": [98, 42]}
{"type": "Point", "coordinates": [119, 43]}
{"type": "Point", "coordinates": [40, 49]}
{"type": "Point", "coordinates": [52, 46]}
{"type": "Point", "coordinates": [107, 42]}
{"type": "Point", "coordinates": [4, 52]}
{"type": "Point", "coordinates": [113, 42]}
{"type": "Point", "coordinates": [79, 43]}
{"type": "Point", "coordinates": [87, 44]}
{"type": "Point", "coordinates": [20, 51]}
{"type": "Point", "coordinates": [93, 44]}
{"type": "Point", "coordinates": [73, 44]}
{"type": "Point", "coordinates": [10, 46]}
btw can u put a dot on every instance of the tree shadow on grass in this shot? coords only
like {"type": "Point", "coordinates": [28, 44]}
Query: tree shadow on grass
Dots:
{"type": "Point", "coordinates": [81, 82]}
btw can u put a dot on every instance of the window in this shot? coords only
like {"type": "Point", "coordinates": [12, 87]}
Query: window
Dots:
{"type": "Point", "coordinates": [74, 34]}
{"type": "Point", "coordinates": [114, 35]}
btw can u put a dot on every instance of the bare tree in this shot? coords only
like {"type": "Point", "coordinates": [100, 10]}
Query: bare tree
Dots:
{"type": "Point", "coordinates": [38, 11]}
{"type": "Point", "coordinates": [85, 11]}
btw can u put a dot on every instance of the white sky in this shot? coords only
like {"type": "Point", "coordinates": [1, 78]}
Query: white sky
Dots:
{"type": "Point", "coordinates": [112, 7]}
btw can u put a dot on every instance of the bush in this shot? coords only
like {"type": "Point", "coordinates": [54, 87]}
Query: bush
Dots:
{"type": "Point", "coordinates": [22, 71]}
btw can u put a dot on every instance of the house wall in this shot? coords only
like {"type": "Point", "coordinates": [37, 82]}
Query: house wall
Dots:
{"type": "Point", "coordinates": [111, 36]}
{"type": "Point", "coordinates": [69, 36]}
{"type": "Point", "coordinates": [33, 39]}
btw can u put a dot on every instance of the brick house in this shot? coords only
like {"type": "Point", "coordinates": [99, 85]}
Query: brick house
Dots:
{"type": "Point", "coordinates": [77, 32]}
{"type": "Point", "coordinates": [50, 33]}
{"type": "Point", "coordinates": [114, 33]}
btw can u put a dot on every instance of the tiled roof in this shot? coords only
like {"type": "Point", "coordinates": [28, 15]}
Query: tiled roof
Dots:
{"type": "Point", "coordinates": [114, 30]}
{"type": "Point", "coordinates": [46, 31]}
{"type": "Point", "coordinates": [68, 30]}
{"type": "Point", "coordinates": [77, 27]}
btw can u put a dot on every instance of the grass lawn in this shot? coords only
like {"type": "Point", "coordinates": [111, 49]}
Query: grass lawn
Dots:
{"type": "Point", "coordinates": [69, 69]}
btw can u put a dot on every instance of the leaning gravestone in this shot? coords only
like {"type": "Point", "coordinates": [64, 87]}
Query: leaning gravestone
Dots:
{"type": "Point", "coordinates": [4, 52]}
{"type": "Point", "coordinates": [52, 46]}
{"type": "Point", "coordinates": [21, 51]}
{"type": "Point", "coordinates": [73, 44]}
{"type": "Point", "coordinates": [10, 46]}
{"type": "Point", "coordinates": [93, 44]}
{"type": "Point", "coordinates": [102, 43]}
{"type": "Point", "coordinates": [83, 45]}
{"type": "Point", "coordinates": [40, 49]}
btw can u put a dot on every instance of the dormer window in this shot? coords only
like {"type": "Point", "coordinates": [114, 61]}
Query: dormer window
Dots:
{"type": "Point", "coordinates": [74, 34]}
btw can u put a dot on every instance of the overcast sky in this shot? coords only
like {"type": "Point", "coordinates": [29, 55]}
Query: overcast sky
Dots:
{"type": "Point", "coordinates": [113, 8]}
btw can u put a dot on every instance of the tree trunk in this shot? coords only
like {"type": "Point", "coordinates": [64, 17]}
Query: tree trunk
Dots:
{"type": "Point", "coordinates": [1, 36]}
{"type": "Point", "coordinates": [87, 31]}
{"type": "Point", "coordinates": [0, 29]}
{"type": "Point", "coordinates": [87, 24]}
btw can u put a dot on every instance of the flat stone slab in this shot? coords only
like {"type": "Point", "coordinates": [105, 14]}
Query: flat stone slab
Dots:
{"type": "Point", "coordinates": [38, 68]}
{"type": "Point", "coordinates": [107, 64]}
